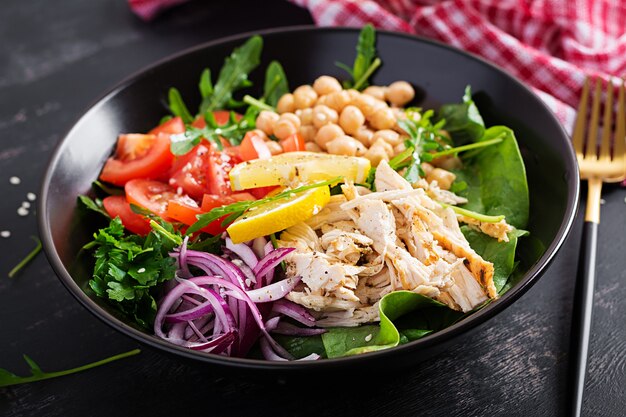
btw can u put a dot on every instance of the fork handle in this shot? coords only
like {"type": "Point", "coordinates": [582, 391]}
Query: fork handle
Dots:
{"type": "Point", "coordinates": [583, 299]}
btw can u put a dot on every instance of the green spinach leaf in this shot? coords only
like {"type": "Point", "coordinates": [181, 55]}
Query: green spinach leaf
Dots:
{"type": "Point", "coordinates": [463, 121]}
{"type": "Point", "coordinates": [496, 179]}
{"type": "Point", "coordinates": [501, 254]}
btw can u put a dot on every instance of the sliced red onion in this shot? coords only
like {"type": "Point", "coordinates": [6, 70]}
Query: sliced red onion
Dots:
{"type": "Point", "coordinates": [269, 246]}
{"type": "Point", "coordinates": [190, 314]}
{"type": "Point", "coordinates": [272, 323]}
{"type": "Point", "coordinates": [291, 330]}
{"type": "Point", "coordinates": [243, 251]}
{"type": "Point", "coordinates": [270, 261]}
{"type": "Point", "coordinates": [182, 259]}
{"type": "Point", "coordinates": [258, 246]}
{"type": "Point", "coordinates": [269, 277]}
{"type": "Point", "coordinates": [275, 291]}
{"type": "Point", "coordinates": [268, 352]}
{"type": "Point", "coordinates": [295, 311]}
{"type": "Point", "coordinates": [214, 265]}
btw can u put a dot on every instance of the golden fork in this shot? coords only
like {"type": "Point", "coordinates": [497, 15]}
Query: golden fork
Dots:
{"type": "Point", "coordinates": [596, 166]}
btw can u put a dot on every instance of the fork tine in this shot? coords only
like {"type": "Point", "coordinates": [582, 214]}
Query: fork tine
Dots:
{"type": "Point", "coordinates": [607, 125]}
{"type": "Point", "coordinates": [592, 132]}
{"type": "Point", "coordinates": [620, 129]}
{"type": "Point", "coordinates": [581, 118]}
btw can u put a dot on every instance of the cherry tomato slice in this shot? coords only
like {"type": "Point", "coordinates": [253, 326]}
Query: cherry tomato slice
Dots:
{"type": "Point", "coordinates": [138, 156]}
{"type": "Point", "coordinates": [253, 147]}
{"type": "Point", "coordinates": [171, 127]}
{"type": "Point", "coordinates": [117, 206]}
{"type": "Point", "coordinates": [293, 143]}
{"type": "Point", "coordinates": [191, 172]}
{"type": "Point", "coordinates": [151, 195]}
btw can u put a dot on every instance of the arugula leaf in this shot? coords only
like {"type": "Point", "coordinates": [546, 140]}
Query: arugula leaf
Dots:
{"type": "Point", "coordinates": [177, 106]}
{"type": "Point", "coordinates": [233, 75]}
{"type": "Point", "coordinates": [276, 84]}
{"type": "Point", "coordinates": [501, 254]}
{"type": "Point", "coordinates": [496, 179]}
{"type": "Point", "coordinates": [206, 85]}
{"type": "Point", "coordinates": [235, 210]}
{"type": "Point", "coordinates": [128, 267]}
{"type": "Point", "coordinates": [93, 205]}
{"type": "Point", "coordinates": [366, 61]}
{"type": "Point", "coordinates": [463, 121]}
{"type": "Point", "coordinates": [8, 379]}
{"type": "Point", "coordinates": [28, 258]}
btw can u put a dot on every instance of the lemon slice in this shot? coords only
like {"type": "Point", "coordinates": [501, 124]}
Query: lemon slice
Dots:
{"type": "Point", "coordinates": [275, 216]}
{"type": "Point", "coordinates": [297, 167]}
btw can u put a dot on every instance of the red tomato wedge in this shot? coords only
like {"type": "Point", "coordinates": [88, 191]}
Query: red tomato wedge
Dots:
{"type": "Point", "coordinates": [261, 192]}
{"type": "Point", "coordinates": [183, 211]}
{"type": "Point", "coordinates": [117, 206]}
{"type": "Point", "coordinates": [293, 143]}
{"type": "Point", "coordinates": [253, 147]}
{"type": "Point", "coordinates": [171, 127]}
{"type": "Point", "coordinates": [151, 195]}
{"type": "Point", "coordinates": [191, 172]}
{"type": "Point", "coordinates": [220, 164]}
{"type": "Point", "coordinates": [138, 156]}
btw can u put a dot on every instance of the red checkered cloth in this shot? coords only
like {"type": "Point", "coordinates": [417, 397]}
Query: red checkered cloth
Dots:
{"type": "Point", "coordinates": [549, 44]}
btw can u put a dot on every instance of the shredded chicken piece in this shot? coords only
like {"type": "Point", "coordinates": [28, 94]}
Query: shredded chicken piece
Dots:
{"type": "Point", "coordinates": [499, 230]}
{"type": "Point", "coordinates": [365, 244]}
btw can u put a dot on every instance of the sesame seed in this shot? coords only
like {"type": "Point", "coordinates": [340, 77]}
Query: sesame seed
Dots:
{"type": "Point", "coordinates": [602, 201]}
{"type": "Point", "coordinates": [141, 270]}
{"type": "Point", "coordinates": [5, 233]}
{"type": "Point", "coordinates": [368, 337]}
{"type": "Point", "coordinates": [25, 204]}
{"type": "Point", "coordinates": [31, 196]}
{"type": "Point", "coordinates": [15, 180]}
{"type": "Point", "coordinates": [22, 211]}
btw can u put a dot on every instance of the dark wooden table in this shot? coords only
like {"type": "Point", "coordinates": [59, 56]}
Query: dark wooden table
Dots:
{"type": "Point", "coordinates": [55, 59]}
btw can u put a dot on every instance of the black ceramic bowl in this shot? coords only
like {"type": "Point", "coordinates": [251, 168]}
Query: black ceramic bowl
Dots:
{"type": "Point", "coordinates": [440, 74]}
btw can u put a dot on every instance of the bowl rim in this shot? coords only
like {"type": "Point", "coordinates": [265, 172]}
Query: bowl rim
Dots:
{"type": "Point", "coordinates": [437, 338]}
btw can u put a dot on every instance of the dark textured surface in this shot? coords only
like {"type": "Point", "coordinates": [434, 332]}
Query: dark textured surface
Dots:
{"type": "Point", "coordinates": [55, 59]}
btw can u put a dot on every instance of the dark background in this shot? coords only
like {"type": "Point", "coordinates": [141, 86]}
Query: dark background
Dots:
{"type": "Point", "coordinates": [56, 58]}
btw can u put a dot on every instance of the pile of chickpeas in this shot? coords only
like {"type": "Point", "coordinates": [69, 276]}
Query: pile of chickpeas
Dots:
{"type": "Point", "coordinates": [341, 122]}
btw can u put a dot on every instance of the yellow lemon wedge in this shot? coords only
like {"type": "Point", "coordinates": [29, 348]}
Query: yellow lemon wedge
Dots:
{"type": "Point", "coordinates": [297, 167]}
{"type": "Point", "coordinates": [277, 215]}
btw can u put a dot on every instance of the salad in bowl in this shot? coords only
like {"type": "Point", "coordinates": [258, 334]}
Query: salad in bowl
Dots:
{"type": "Point", "coordinates": [329, 220]}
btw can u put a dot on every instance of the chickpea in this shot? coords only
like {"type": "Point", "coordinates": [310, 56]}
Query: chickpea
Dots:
{"type": "Point", "coordinates": [285, 128]}
{"type": "Point", "coordinates": [304, 96]}
{"type": "Point", "coordinates": [261, 134]}
{"type": "Point", "coordinates": [292, 118]}
{"type": "Point", "coordinates": [401, 147]}
{"type": "Point", "coordinates": [364, 135]}
{"type": "Point", "coordinates": [376, 91]}
{"type": "Point", "coordinates": [344, 145]}
{"type": "Point", "coordinates": [399, 93]}
{"type": "Point", "coordinates": [389, 136]}
{"type": "Point", "coordinates": [382, 118]}
{"type": "Point", "coordinates": [327, 133]}
{"type": "Point", "coordinates": [308, 133]}
{"type": "Point", "coordinates": [266, 121]}
{"type": "Point", "coordinates": [312, 147]}
{"type": "Point", "coordinates": [274, 147]}
{"type": "Point", "coordinates": [427, 168]}
{"type": "Point", "coordinates": [351, 119]}
{"type": "Point", "coordinates": [286, 104]}
{"type": "Point", "coordinates": [365, 103]}
{"type": "Point", "coordinates": [323, 115]}
{"type": "Point", "coordinates": [322, 101]}
{"type": "Point", "coordinates": [305, 115]}
{"type": "Point", "coordinates": [352, 93]}
{"type": "Point", "coordinates": [326, 85]}
{"type": "Point", "coordinates": [338, 100]}
{"type": "Point", "coordinates": [444, 178]}
{"type": "Point", "coordinates": [448, 162]}
{"type": "Point", "coordinates": [378, 151]}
